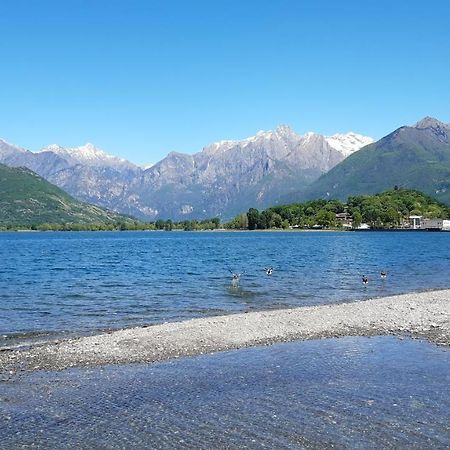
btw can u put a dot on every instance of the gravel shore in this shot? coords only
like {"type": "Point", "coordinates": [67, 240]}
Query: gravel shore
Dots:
{"type": "Point", "coordinates": [423, 315]}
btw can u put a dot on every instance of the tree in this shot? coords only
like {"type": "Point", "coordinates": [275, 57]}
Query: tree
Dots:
{"type": "Point", "coordinates": [253, 218]}
{"type": "Point", "coordinates": [264, 219]}
{"type": "Point", "coordinates": [357, 218]}
{"type": "Point", "coordinates": [189, 225]}
{"type": "Point", "coordinates": [240, 222]}
{"type": "Point", "coordinates": [391, 216]}
{"type": "Point", "coordinates": [325, 218]}
{"type": "Point", "coordinates": [276, 221]}
{"type": "Point", "coordinates": [160, 224]}
{"type": "Point", "coordinates": [243, 221]}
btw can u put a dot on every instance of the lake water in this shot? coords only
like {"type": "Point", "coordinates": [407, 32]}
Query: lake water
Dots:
{"type": "Point", "coordinates": [60, 284]}
{"type": "Point", "coordinates": [355, 392]}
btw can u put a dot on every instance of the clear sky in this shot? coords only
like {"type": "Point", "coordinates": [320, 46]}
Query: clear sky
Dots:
{"type": "Point", "coordinates": [142, 78]}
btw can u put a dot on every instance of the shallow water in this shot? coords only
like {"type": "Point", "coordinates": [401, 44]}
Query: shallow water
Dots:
{"type": "Point", "coordinates": [57, 284]}
{"type": "Point", "coordinates": [359, 393]}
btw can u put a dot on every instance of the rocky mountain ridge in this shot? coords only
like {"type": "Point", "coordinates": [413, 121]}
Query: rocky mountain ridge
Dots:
{"type": "Point", "coordinates": [223, 179]}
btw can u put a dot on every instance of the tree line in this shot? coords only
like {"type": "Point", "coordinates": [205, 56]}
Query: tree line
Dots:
{"type": "Point", "coordinates": [389, 209]}
{"type": "Point", "coordinates": [166, 225]}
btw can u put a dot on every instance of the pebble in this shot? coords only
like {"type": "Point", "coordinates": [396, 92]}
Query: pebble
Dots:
{"type": "Point", "coordinates": [165, 341]}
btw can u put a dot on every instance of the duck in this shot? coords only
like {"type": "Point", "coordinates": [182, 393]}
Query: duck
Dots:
{"type": "Point", "coordinates": [235, 276]}
{"type": "Point", "coordinates": [365, 280]}
{"type": "Point", "coordinates": [268, 270]}
{"type": "Point", "coordinates": [383, 274]}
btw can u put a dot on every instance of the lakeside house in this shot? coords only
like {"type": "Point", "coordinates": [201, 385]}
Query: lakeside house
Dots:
{"type": "Point", "coordinates": [432, 224]}
{"type": "Point", "coordinates": [345, 219]}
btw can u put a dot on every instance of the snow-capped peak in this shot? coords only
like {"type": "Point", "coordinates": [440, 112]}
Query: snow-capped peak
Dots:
{"type": "Point", "coordinates": [90, 152]}
{"type": "Point", "coordinates": [282, 132]}
{"type": "Point", "coordinates": [310, 134]}
{"type": "Point", "coordinates": [84, 152]}
{"type": "Point", "coordinates": [87, 154]}
{"type": "Point", "coordinates": [348, 143]}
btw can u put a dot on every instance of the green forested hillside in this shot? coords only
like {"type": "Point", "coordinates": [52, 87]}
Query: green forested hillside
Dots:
{"type": "Point", "coordinates": [27, 200]}
{"type": "Point", "coordinates": [411, 157]}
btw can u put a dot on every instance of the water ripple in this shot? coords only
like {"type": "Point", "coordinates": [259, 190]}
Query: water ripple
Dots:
{"type": "Point", "coordinates": [82, 282]}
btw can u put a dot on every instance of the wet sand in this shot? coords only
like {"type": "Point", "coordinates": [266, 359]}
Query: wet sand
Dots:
{"type": "Point", "coordinates": [424, 315]}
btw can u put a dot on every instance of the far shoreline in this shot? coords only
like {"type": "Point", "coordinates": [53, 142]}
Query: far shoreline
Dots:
{"type": "Point", "coordinates": [224, 230]}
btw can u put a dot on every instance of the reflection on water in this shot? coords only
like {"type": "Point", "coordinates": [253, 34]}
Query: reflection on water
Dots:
{"type": "Point", "coordinates": [60, 283]}
{"type": "Point", "coordinates": [236, 290]}
{"type": "Point", "coordinates": [338, 393]}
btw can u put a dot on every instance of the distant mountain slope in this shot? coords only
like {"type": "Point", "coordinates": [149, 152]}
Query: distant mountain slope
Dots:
{"type": "Point", "coordinates": [28, 199]}
{"type": "Point", "coordinates": [415, 157]}
{"type": "Point", "coordinates": [223, 179]}
{"type": "Point", "coordinates": [87, 173]}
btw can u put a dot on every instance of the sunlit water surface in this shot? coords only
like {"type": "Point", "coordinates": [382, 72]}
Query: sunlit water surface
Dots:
{"type": "Point", "coordinates": [60, 284]}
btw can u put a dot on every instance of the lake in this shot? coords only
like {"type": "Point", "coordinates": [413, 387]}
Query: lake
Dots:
{"type": "Point", "coordinates": [62, 284]}
{"type": "Point", "coordinates": [354, 392]}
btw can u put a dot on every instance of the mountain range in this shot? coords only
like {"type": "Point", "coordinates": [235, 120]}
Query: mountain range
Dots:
{"type": "Point", "coordinates": [223, 179]}
{"type": "Point", "coordinates": [228, 177]}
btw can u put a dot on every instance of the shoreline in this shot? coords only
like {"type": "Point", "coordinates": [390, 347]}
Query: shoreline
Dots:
{"type": "Point", "coordinates": [233, 230]}
{"type": "Point", "coordinates": [424, 315]}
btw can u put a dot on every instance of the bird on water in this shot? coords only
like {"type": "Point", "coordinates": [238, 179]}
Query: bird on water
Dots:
{"type": "Point", "coordinates": [235, 276]}
{"type": "Point", "coordinates": [365, 280]}
{"type": "Point", "coordinates": [383, 274]}
{"type": "Point", "coordinates": [268, 270]}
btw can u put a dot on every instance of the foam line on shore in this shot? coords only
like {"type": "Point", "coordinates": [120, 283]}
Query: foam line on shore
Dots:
{"type": "Point", "coordinates": [421, 314]}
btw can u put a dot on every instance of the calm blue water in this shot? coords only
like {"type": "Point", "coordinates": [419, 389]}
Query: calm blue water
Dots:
{"type": "Point", "coordinates": [358, 393]}
{"type": "Point", "coordinates": [54, 284]}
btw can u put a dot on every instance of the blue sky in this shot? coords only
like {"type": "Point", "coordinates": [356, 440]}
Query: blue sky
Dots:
{"type": "Point", "coordinates": [142, 78]}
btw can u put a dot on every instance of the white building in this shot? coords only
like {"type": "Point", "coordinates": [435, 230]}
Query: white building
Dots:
{"type": "Point", "coordinates": [414, 222]}
{"type": "Point", "coordinates": [431, 224]}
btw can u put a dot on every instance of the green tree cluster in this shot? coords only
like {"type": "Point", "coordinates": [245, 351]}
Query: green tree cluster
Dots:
{"type": "Point", "coordinates": [389, 209]}
{"type": "Point", "coordinates": [195, 225]}
{"type": "Point", "coordinates": [316, 213]}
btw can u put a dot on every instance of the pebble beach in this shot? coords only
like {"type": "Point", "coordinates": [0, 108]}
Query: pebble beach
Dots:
{"type": "Point", "coordinates": [424, 315]}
